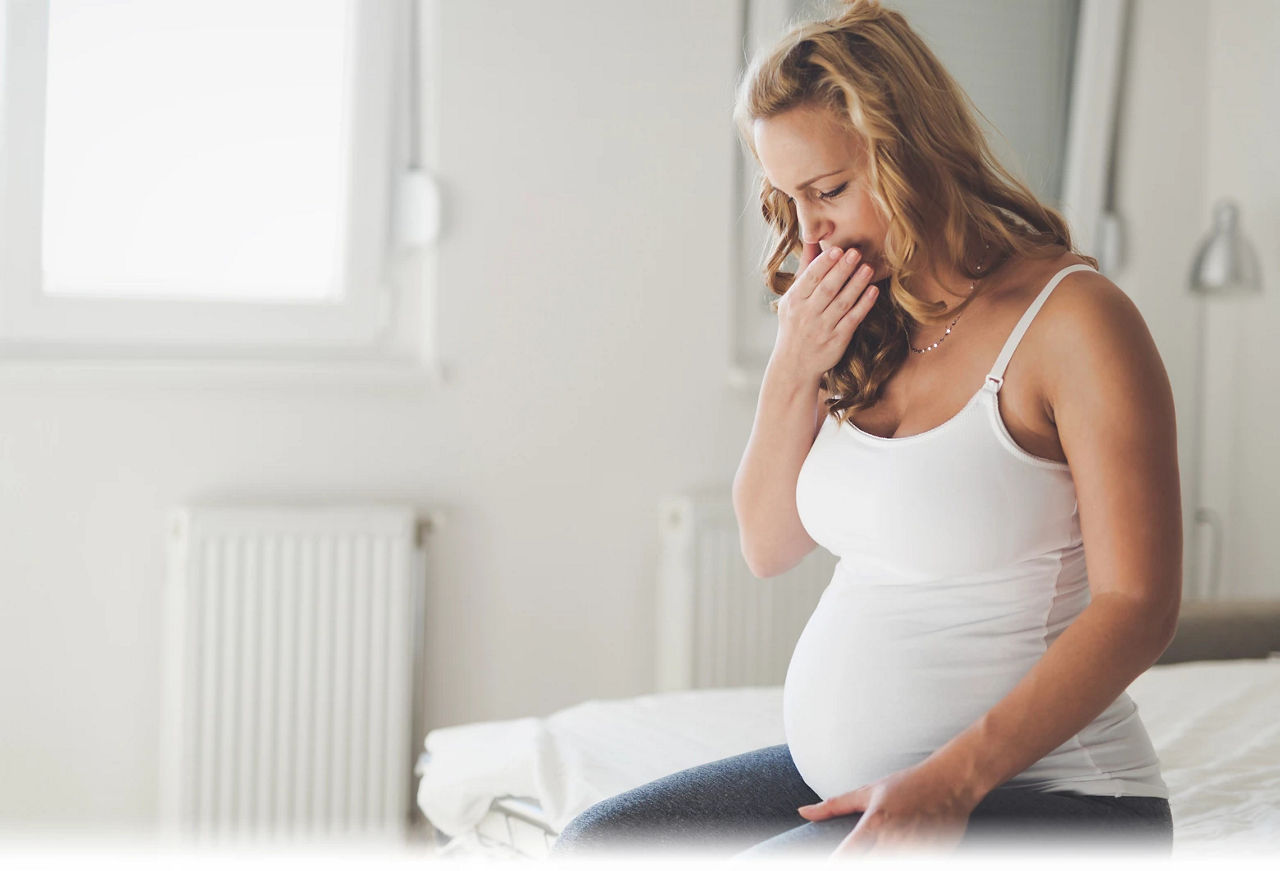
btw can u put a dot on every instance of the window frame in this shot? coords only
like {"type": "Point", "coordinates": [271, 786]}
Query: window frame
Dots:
{"type": "Point", "coordinates": [361, 325]}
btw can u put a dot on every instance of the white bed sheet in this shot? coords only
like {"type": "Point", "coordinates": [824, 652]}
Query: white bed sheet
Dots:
{"type": "Point", "coordinates": [1215, 726]}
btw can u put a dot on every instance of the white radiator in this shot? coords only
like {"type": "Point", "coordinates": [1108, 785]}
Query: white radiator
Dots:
{"type": "Point", "coordinates": [291, 634]}
{"type": "Point", "coordinates": [719, 625]}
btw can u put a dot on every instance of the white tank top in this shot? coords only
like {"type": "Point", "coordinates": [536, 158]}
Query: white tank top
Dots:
{"type": "Point", "coordinates": [961, 561]}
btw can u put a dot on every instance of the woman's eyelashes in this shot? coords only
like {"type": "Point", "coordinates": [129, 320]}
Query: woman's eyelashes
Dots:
{"type": "Point", "coordinates": [824, 195]}
{"type": "Point", "coordinates": [832, 194]}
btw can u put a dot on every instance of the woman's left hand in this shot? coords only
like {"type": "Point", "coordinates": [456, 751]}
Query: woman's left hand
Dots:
{"type": "Point", "coordinates": [921, 806]}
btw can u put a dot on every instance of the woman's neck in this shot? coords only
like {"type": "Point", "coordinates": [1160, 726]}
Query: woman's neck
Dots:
{"type": "Point", "coordinates": [952, 288]}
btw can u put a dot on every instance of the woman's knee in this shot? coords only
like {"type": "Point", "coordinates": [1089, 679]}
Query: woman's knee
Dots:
{"type": "Point", "coordinates": [613, 823]}
{"type": "Point", "coordinates": [579, 832]}
{"type": "Point", "coordinates": [695, 808]}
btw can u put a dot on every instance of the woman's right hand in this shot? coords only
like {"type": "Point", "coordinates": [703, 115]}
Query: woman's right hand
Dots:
{"type": "Point", "coordinates": [819, 312]}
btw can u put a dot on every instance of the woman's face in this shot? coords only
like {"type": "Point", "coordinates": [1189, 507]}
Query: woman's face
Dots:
{"type": "Point", "coordinates": [807, 156]}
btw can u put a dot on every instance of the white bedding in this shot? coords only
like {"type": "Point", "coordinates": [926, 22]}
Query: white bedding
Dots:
{"type": "Point", "coordinates": [1215, 726]}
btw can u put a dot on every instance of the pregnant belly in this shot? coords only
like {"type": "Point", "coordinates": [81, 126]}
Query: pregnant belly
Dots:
{"type": "Point", "coordinates": [876, 684]}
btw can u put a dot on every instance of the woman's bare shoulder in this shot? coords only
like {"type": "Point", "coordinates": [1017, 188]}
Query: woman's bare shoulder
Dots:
{"type": "Point", "coordinates": [1085, 313]}
{"type": "Point", "coordinates": [1085, 300]}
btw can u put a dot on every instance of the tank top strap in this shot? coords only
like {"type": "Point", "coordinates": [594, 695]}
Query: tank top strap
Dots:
{"type": "Point", "coordinates": [996, 377]}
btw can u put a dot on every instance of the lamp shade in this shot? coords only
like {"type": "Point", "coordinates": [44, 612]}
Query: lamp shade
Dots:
{"type": "Point", "coordinates": [1225, 263]}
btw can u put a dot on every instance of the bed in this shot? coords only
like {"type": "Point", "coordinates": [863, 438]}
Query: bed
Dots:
{"type": "Point", "coordinates": [506, 788]}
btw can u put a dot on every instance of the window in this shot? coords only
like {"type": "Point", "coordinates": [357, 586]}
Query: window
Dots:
{"type": "Point", "coordinates": [222, 178]}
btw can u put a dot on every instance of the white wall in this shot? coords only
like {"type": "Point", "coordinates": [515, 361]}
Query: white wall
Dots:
{"type": "Point", "coordinates": [1201, 123]}
{"type": "Point", "coordinates": [586, 160]}
{"type": "Point", "coordinates": [1243, 127]}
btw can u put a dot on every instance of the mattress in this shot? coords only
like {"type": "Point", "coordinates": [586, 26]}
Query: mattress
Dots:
{"type": "Point", "coordinates": [505, 788]}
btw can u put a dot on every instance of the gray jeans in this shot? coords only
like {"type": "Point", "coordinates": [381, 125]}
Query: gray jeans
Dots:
{"type": "Point", "coordinates": [745, 805]}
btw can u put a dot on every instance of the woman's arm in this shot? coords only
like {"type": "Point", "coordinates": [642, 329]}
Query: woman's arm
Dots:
{"type": "Point", "coordinates": [1113, 407]}
{"type": "Point", "coordinates": [772, 537]}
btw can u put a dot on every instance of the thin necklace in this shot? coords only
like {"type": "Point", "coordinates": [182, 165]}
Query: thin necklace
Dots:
{"type": "Point", "coordinates": [953, 323]}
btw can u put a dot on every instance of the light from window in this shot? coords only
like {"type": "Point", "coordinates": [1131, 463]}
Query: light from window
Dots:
{"type": "Point", "coordinates": [196, 149]}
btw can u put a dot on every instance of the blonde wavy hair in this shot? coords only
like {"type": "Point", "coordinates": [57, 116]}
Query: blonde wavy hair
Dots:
{"type": "Point", "coordinates": [929, 169]}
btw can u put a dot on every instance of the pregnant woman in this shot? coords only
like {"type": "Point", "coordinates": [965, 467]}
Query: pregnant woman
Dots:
{"type": "Point", "coordinates": [979, 425]}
